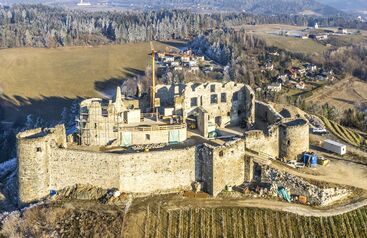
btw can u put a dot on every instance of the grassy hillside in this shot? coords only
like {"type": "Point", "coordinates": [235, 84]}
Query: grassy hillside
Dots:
{"type": "Point", "coordinates": [52, 77]}
{"type": "Point", "coordinates": [296, 45]}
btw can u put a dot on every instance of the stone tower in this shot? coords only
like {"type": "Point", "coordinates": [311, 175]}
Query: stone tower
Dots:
{"type": "Point", "coordinates": [33, 151]}
{"type": "Point", "coordinates": [294, 139]}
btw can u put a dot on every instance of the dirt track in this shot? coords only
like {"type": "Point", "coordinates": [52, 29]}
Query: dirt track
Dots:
{"type": "Point", "coordinates": [298, 209]}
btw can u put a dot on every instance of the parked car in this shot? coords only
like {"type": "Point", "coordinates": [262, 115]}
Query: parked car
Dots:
{"type": "Point", "coordinates": [319, 130]}
{"type": "Point", "coordinates": [296, 165]}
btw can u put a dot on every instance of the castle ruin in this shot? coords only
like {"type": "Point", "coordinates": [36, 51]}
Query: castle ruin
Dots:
{"type": "Point", "coordinates": [47, 161]}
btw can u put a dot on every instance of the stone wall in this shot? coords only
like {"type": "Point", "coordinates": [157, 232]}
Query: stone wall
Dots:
{"type": "Point", "coordinates": [294, 139]}
{"type": "Point", "coordinates": [203, 121]}
{"type": "Point", "coordinates": [33, 150]}
{"type": "Point", "coordinates": [144, 172]}
{"type": "Point", "coordinates": [265, 116]}
{"type": "Point", "coordinates": [155, 136]}
{"type": "Point", "coordinates": [227, 103]}
{"type": "Point", "coordinates": [259, 141]}
{"type": "Point", "coordinates": [223, 165]}
{"type": "Point", "coordinates": [43, 165]}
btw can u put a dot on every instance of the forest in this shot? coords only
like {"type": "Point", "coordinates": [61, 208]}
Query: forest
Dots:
{"type": "Point", "coordinates": [43, 26]}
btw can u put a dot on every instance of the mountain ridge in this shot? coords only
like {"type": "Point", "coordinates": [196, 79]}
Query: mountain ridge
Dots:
{"type": "Point", "coordinates": [260, 7]}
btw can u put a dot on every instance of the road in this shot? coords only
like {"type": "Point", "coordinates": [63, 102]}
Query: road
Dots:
{"type": "Point", "coordinates": [298, 209]}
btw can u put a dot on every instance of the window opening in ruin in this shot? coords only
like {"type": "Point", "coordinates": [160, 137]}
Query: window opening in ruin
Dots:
{"type": "Point", "coordinates": [218, 121]}
{"type": "Point", "coordinates": [212, 88]}
{"type": "Point", "coordinates": [213, 99]}
{"type": "Point", "coordinates": [223, 97]}
{"type": "Point", "coordinates": [235, 96]}
{"type": "Point", "coordinates": [39, 149]}
{"type": "Point", "coordinates": [95, 125]}
{"type": "Point", "coordinates": [221, 153]}
{"type": "Point", "coordinates": [288, 142]}
{"type": "Point", "coordinates": [229, 114]}
{"type": "Point", "coordinates": [194, 102]}
{"type": "Point", "coordinates": [147, 136]}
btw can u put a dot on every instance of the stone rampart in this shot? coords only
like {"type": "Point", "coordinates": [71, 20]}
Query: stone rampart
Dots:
{"type": "Point", "coordinates": [223, 165]}
{"type": "Point", "coordinates": [45, 164]}
{"type": "Point", "coordinates": [268, 144]}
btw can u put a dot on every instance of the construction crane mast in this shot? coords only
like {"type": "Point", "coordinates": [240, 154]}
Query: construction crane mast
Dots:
{"type": "Point", "coordinates": [153, 78]}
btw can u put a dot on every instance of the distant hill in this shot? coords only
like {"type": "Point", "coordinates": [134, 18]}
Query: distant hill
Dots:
{"type": "Point", "coordinates": [268, 7]}
{"type": "Point", "coordinates": [349, 6]}
{"type": "Point", "coordinates": [263, 7]}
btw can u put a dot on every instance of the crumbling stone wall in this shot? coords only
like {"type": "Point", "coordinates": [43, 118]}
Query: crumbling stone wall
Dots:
{"type": "Point", "coordinates": [266, 143]}
{"type": "Point", "coordinates": [223, 165]}
{"type": "Point", "coordinates": [96, 128]}
{"type": "Point", "coordinates": [203, 121]}
{"type": "Point", "coordinates": [265, 116]}
{"type": "Point", "coordinates": [45, 164]}
{"type": "Point", "coordinates": [228, 103]}
{"type": "Point", "coordinates": [249, 106]}
{"type": "Point", "coordinates": [228, 106]}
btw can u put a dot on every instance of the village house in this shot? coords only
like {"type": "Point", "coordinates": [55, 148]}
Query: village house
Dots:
{"type": "Point", "coordinates": [342, 31]}
{"type": "Point", "coordinates": [275, 87]}
{"type": "Point", "coordinates": [300, 85]}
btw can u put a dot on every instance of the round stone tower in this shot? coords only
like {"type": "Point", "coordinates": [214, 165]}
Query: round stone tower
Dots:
{"type": "Point", "coordinates": [33, 153]}
{"type": "Point", "coordinates": [294, 139]}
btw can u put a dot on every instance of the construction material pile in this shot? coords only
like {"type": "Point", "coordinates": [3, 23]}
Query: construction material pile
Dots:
{"type": "Point", "coordinates": [319, 196]}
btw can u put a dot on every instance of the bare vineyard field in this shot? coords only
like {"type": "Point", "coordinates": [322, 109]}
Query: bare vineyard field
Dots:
{"type": "Point", "coordinates": [250, 222]}
{"type": "Point", "coordinates": [344, 133]}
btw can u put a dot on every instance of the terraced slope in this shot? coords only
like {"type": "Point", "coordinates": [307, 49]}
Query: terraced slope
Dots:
{"type": "Point", "coordinates": [343, 133]}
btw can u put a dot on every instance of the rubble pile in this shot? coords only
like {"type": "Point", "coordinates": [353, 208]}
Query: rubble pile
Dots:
{"type": "Point", "coordinates": [82, 192]}
{"type": "Point", "coordinates": [299, 186]}
{"type": "Point", "coordinates": [147, 147]}
{"type": "Point", "coordinates": [314, 121]}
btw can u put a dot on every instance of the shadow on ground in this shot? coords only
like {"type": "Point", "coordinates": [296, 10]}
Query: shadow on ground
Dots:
{"type": "Point", "coordinates": [176, 44]}
{"type": "Point", "coordinates": [107, 87]}
{"type": "Point", "coordinates": [16, 108]}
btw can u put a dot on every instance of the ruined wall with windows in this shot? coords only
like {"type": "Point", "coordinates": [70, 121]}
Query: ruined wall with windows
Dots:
{"type": "Point", "coordinates": [227, 104]}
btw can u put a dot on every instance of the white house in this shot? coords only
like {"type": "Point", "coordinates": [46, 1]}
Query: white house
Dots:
{"type": "Point", "coordinates": [275, 87]}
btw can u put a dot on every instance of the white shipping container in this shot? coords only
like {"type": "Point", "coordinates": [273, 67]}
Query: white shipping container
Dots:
{"type": "Point", "coordinates": [335, 147]}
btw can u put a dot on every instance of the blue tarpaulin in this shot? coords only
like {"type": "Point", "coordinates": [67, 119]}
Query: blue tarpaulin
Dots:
{"type": "Point", "coordinates": [283, 193]}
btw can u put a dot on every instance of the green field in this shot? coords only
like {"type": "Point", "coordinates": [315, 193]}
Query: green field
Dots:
{"type": "Point", "coordinates": [344, 133]}
{"type": "Point", "coordinates": [47, 79]}
{"type": "Point", "coordinates": [295, 45]}
{"type": "Point", "coordinates": [251, 222]}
